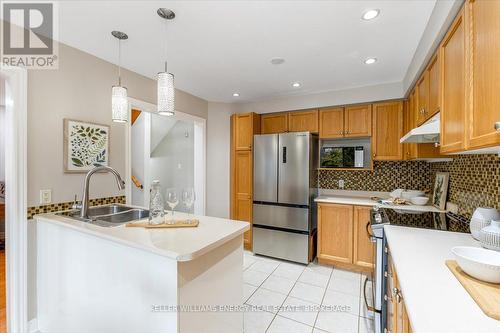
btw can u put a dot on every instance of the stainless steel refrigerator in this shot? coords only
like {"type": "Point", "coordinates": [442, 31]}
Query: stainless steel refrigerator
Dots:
{"type": "Point", "coordinates": [284, 213]}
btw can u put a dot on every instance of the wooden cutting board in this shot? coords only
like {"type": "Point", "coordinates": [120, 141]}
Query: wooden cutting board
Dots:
{"type": "Point", "coordinates": [177, 224]}
{"type": "Point", "coordinates": [486, 295]}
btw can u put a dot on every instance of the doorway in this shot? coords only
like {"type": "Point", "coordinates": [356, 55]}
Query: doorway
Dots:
{"type": "Point", "coordinates": [168, 149]}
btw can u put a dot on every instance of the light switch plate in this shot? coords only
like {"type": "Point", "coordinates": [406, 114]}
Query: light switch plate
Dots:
{"type": "Point", "coordinates": [45, 197]}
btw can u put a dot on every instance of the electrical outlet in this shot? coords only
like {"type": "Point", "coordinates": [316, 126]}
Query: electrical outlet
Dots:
{"type": "Point", "coordinates": [45, 197]}
{"type": "Point", "coordinates": [341, 184]}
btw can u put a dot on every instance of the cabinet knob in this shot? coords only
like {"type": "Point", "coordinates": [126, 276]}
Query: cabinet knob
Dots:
{"type": "Point", "coordinates": [341, 132]}
{"type": "Point", "coordinates": [497, 125]}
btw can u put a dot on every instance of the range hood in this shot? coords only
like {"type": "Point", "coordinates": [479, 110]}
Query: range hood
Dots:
{"type": "Point", "coordinates": [428, 132]}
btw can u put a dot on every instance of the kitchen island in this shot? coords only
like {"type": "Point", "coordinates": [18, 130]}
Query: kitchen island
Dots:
{"type": "Point", "coordinates": [129, 280]}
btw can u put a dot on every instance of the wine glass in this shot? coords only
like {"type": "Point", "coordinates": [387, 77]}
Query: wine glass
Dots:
{"type": "Point", "coordinates": [172, 201]}
{"type": "Point", "coordinates": [188, 198]}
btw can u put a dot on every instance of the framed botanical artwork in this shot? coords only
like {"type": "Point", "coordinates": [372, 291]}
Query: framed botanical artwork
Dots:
{"type": "Point", "coordinates": [86, 145]}
{"type": "Point", "coordinates": [440, 190]}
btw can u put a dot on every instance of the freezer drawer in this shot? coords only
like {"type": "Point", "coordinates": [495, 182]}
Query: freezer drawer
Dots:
{"type": "Point", "coordinates": [281, 244]}
{"type": "Point", "coordinates": [281, 216]}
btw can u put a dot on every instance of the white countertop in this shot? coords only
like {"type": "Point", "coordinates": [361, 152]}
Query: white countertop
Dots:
{"type": "Point", "coordinates": [181, 244]}
{"type": "Point", "coordinates": [363, 198]}
{"type": "Point", "coordinates": [435, 299]}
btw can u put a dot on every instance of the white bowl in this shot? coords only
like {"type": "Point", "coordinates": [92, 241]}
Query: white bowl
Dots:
{"type": "Point", "coordinates": [411, 194]}
{"type": "Point", "coordinates": [489, 236]}
{"type": "Point", "coordinates": [419, 201]}
{"type": "Point", "coordinates": [480, 263]}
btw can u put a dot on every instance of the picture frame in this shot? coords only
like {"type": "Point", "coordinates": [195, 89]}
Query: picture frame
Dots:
{"type": "Point", "coordinates": [440, 190]}
{"type": "Point", "coordinates": [85, 145]}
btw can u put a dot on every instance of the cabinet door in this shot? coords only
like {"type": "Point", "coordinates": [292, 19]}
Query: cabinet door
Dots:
{"type": "Point", "coordinates": [243, 131]}
{"type": "Point", "coordinates": [423, 98]}
{"type": "Point", "coordinates": [335, 232]}
{"type": "Point", "coordinates": [484, 70]}
{"type": "Point", "coordinates": [434, 81]}
{"type": "Point", "coordinates": [363, 247]}
{"type": "Point", "coordinates": [331, 123]}
{"type": "Point", "coordinates": [243, 190]}
{"type": "Point", "coordinates": [452, 53]}
{"type": "Point", "coordinates": [387, 131]}
{"type": "Point", "coordinates": [274, 123]}
{"type": "Point", "coordinates": [303, 121]}
{"type": "Point", "coordinates": [358, 120]}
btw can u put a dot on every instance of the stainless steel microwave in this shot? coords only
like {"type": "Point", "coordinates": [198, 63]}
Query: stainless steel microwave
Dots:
{"type": "Point", "coordinates": [342, 157]}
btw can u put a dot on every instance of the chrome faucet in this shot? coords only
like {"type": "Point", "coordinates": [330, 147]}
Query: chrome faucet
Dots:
{"type": "Point", "coordinates": [85, 196]}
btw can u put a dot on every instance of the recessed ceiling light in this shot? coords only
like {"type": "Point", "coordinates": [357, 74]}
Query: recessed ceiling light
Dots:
{"type": "Point", "coordinates": [370, 14]}
{"type": "Point", "coordinates": [236, 95]}
{"type": "Point", "coordinates": [296, 84]}
{"type": "Point", "coordinates": [277, 61]}
{"type": "Point", "coordinates": [370, 61]}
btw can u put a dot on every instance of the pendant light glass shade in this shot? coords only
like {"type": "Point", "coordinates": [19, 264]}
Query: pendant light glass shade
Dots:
{"type": "Point", "coordinates": [119, 104]}
{"type": "Point", "coordinates": [166, 94]}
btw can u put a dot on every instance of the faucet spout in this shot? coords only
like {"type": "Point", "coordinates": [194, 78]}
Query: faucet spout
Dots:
{"type": "Point", "coordinates": [86, 183]}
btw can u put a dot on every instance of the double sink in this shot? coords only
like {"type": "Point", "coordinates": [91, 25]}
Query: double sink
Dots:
{"type": "Point", "coordinates": [109, 215]}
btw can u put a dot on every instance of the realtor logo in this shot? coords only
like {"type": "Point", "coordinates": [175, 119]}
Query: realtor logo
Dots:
{"type": "Point", "coordinates": [28, 35]}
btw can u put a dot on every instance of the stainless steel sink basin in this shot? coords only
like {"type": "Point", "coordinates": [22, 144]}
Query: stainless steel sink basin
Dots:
{"type": "Point", "coordinates": [109, 215]}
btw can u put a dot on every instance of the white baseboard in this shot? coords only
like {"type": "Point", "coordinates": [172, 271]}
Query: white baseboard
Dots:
{"type": "Point", "coordinates": [33, 326]}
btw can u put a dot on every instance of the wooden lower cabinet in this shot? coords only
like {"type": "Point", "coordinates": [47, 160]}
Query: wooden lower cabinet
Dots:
{"type": "Point", "coordinates": [397, 315]}
{"type": "Point", "coordinates": [342, 236]}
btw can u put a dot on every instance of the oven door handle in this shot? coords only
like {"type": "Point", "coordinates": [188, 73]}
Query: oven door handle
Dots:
{"type": "Point", "coordinates": [370, 308]}
{"type": "Point", "coordinates": [370, 234]}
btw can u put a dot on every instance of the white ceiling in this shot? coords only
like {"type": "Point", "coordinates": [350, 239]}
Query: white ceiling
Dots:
{"type": "Point", "coordinates": [216, 48]}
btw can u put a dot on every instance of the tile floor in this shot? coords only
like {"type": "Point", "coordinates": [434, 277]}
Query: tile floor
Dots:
{"type": "Point", "coordinates": [283, 297]}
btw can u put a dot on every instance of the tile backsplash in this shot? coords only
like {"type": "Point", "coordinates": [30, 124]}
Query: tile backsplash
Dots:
{"type": "Point", "coordinates": [474, 179]}
{"type": "Point", "coordinates": [59, 207]}
{"type": "Point", "coordinates": [385, 177]}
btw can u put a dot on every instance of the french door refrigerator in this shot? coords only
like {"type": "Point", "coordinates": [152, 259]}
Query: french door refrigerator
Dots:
{"type": "Point", "coordinates": [284, 189]}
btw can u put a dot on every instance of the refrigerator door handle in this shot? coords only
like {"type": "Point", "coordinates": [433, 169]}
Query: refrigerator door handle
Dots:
{"type": "Point", "coordinates": [284, 154]}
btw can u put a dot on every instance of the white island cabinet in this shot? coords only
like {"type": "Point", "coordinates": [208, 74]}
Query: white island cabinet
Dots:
{"type": "Point", "coordinates": [135, 280]}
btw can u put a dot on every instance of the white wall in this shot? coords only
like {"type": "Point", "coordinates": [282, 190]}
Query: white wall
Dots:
{"type": "Point", "coordinates": [2, 131]}
{"type": "Point", "coordinates": [172, 162]}
{"type": "Point", "coordinates": [329, 98]}
{"type": "Point", "coordinates": [138, 162]}
{"type": "Point", "coordinates": [218, 158]}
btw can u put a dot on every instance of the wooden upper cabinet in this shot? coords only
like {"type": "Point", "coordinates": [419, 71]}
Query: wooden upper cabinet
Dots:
{"type": "Point", "coordinates": [452, 54]}
{"type": "Point", "coordinates": [331, 123]}
{"type": "Point", "coordinates": [434, 81]}
{"type": "Point", "coordinates": [245, 125]}
{"type": "Point", "coordinates": [274, 123]}
{"type": "Point", "coordinates": [484, 72]}
{"type": "Point", "coordinates": [363, 247]}
{"type": "Point", "coordinates": [358, 120]}
{"type": "Point", "coordinates": [387, 131]}
{"type": "Point", "coordinates": [335, 232]}
{"type": "Point", "coordinates": [423, 98]}
{"type": "Point", "coordinates": [303, 121]}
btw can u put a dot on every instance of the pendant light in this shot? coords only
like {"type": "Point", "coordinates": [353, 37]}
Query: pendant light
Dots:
{"type": "Point", "coordinates": [166, 91]}
{"type": "Point", "coordinates": [119, 101]}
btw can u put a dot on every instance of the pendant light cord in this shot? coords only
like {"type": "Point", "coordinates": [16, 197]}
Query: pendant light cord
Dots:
{"type": "Point", "coordinates": [166, 53]}
{"type": "Point", "coordinates": [119, 62]}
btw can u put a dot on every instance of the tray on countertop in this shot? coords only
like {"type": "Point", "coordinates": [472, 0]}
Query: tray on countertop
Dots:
{"type": "Point", "coordinates": [485, 294]}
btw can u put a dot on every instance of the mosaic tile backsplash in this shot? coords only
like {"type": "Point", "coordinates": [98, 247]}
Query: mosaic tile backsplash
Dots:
{"type": "Point", "coordinates": [386, 176]}
{"type": "Point", "coordinates": [474, 179]}
{"type": "Point", "coordinates": [58, 207]}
